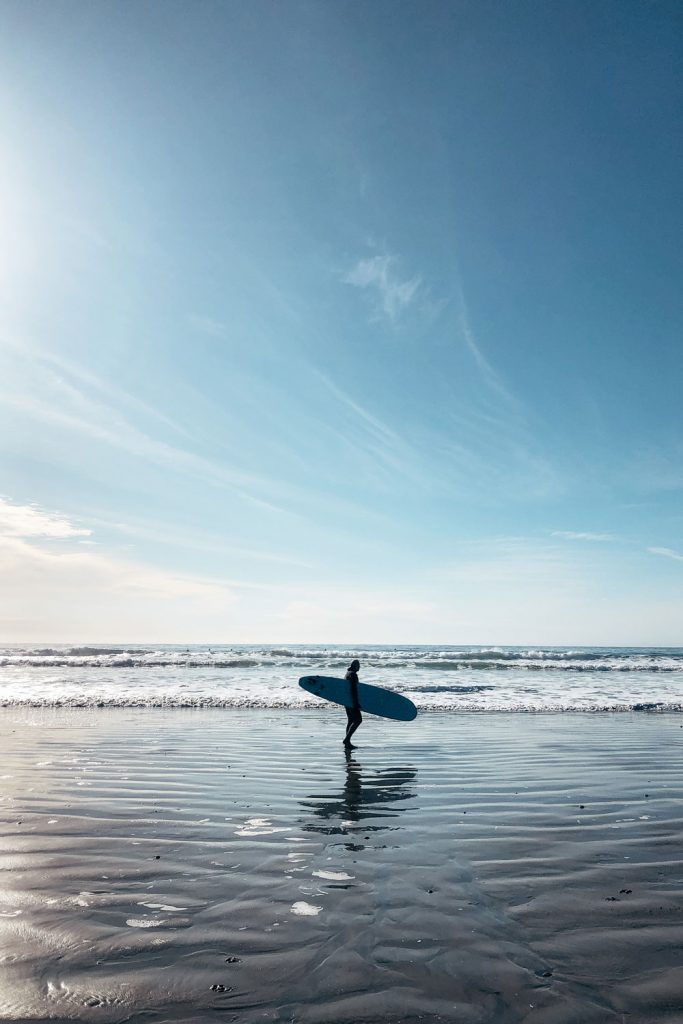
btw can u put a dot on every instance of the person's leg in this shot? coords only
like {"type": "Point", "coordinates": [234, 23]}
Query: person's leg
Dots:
{"type": "Point", "coordinates": [349, 723]}
{"type": "Point", "coordinates": [355, 719]}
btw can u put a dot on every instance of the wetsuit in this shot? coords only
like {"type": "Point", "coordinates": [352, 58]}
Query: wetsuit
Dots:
{"type": "Point", "coordinates": [353, 715]}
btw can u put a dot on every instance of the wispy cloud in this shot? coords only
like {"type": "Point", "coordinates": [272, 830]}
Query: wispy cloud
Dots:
{"type": "Point", "coordinates": [57, 392]}
{"type": "Point", "coordinates": [516, 562]}
{"type": "Point", "coordinates": [64, 394]}
{"type": "Point", "coordinates": [573, 535]}
{"type": "Point", "coordinates": [74, 593]}
{"type": "Point", "coordinates": [385, 449]}
{"type": "Point", "coordinates": [161, 533]}
{"type": "Point", "coordinates": [379, 275]}
{"type": "Point", "coordinates": [62, 368]}
{"type": "Point", "coordinates": [99, 422]}
{"type": "Point", "coordinates": [32, 521]}
{"type": "Point", "coordinates": [666, 553]}
{"type": "Point", "coordinates": [375, 425]}
{"type": "Point", "coordinates": [489, 374]}
{"type": "Point", "coordinates": [55, 587]}
{"type": "Point", "coordinates": [62, 590]}
{"type": "Point", "coordinates": [494, 438]}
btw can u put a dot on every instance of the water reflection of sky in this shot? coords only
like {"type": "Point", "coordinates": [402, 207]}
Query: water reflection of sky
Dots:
{"type": "Point", "coordinates": [369, 800]}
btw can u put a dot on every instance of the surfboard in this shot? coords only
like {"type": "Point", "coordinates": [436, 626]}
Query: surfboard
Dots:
{"type": "Point", "coordinates": [376, 700]}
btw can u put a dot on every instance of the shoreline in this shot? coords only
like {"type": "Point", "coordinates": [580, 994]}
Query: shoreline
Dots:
{"type": "Point", "coordinates": [470, 867]}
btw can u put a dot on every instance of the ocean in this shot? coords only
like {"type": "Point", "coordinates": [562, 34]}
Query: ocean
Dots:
{"type": "Point", "coordinates": [445, 678]}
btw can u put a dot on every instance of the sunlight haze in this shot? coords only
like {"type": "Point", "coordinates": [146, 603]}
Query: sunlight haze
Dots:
{"type": "Point", "coordinates": [341, 322]}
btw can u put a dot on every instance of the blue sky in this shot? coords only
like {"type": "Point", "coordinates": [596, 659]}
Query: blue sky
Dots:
{"type": "Point", "coordinates": [341, 322]}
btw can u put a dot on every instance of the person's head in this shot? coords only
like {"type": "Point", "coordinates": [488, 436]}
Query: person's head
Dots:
{"type": "Point", "coordinates": [354, 666]}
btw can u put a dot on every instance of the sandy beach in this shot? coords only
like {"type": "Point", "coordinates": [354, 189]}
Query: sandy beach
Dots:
{"type": "Point", "coordinates": [235, 865]}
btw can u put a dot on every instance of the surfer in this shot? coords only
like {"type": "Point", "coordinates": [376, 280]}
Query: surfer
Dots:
{"type": "Point", "coordinates": [353, 715]}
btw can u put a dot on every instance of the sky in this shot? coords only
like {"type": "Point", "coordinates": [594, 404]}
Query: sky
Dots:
{"type": "Point", "coordinates": [335, 322]}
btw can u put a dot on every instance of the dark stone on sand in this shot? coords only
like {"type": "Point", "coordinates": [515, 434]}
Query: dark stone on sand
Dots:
{"type": "Point", "coordinates": [612, 899]}
{"type": "Point", "coordinates": [220, 988]}
{"type": "Point", "coordinates": [232, 960]}
{"type": "Point", "coordinates": [627, 891]}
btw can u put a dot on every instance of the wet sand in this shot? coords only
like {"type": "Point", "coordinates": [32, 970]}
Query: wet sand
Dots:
{"type": "Point", "coordinates": [236, 866]}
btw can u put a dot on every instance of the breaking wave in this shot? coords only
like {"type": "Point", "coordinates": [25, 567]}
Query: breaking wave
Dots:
{"type": "Point", "coordinates": [445, 678]}
{"type": "Point", "coordinates": [451, 659]}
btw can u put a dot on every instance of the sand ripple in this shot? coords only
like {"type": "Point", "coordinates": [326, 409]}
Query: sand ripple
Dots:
{"type": "Point", "coordinates": [167, 865]}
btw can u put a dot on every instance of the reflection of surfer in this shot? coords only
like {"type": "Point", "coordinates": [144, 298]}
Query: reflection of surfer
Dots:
{"type": "Point", "coordinates": [353, 789]}
{"type": "Point", "coordinates": [353, 715]}
{"type": "Point", "coordinates": [368, 802]}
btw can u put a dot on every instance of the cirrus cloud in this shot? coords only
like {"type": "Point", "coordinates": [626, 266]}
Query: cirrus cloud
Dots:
{"type": "Point", "coordinates": [574, 535]}
{"type": "Point", "coordinates": [378, 274]}
{"type": "Point", "coordinates": [666, 553]}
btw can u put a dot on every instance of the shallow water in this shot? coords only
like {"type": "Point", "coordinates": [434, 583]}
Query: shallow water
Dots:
{"type": "Point", "coordinates": [435, 678]}
{"type": "Point", "coordinates": [173, 865]}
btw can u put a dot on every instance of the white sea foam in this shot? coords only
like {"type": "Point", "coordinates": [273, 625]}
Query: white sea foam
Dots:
{"type": "Point", "coordinates": [303, 909]}
{"type": "Point", "coordinates": [455, 678]}
{"type": "Point", "coordinates": [334, 876]}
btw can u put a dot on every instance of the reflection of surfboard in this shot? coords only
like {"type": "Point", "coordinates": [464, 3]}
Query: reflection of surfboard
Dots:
{"type": "Point", "coordinates": [373, 699]}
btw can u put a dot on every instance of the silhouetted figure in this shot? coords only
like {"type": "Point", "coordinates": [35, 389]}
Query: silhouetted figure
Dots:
{"type": "Point", "coordinates": [353, 715]}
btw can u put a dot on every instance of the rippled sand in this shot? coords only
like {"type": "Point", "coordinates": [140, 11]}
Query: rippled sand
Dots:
{"type": "Point", "coordinates": [235, 865]}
